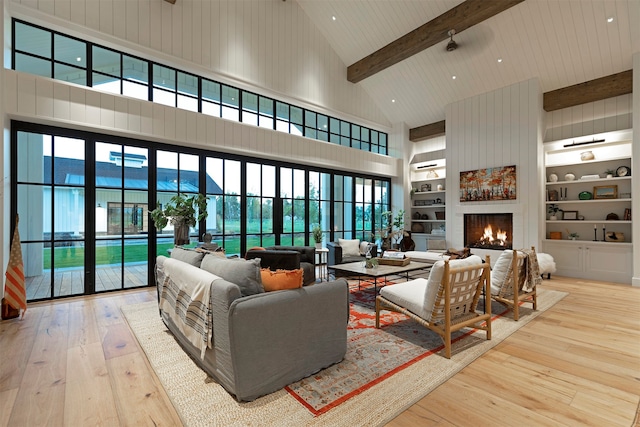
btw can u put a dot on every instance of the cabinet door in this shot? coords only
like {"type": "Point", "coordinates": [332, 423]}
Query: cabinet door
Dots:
{"type": "Point", "coordinates": [568, 257]}
{"type": "Point", "coordinates": [609, 263]}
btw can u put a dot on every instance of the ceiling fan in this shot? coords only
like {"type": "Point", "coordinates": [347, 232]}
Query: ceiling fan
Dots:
{"type": "Point", "coordinates": [452, 45]}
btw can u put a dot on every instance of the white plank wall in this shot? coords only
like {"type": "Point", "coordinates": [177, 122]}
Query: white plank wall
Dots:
{"type": "Point", "coordinates": [43, 100]}
{"type": "Point", "coordinates": [263, 44]}
{"type": "Point", "coordinates": [498, 128]}
{"type": "Point", "coordinates": [594, 117]}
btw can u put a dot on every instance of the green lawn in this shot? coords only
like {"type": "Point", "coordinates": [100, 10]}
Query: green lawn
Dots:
{"type": "Point", "coordinates": [73, 256]}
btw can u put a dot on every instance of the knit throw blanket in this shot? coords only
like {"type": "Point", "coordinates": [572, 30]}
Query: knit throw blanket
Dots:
{"type": "Point", "coordinates": [185, 298]}
{"type": "Point", "coordinates": [533, 271]}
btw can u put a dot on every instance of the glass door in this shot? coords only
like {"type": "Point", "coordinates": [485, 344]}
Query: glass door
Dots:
{"type": "Point", "coordinates": [121, 216]}
{"type": "Point", "coordinates": [260, 200]}
{"type": "Point", "coordinates": [293, 190]}
{"type": "Point", "coordinates": [50, 202]}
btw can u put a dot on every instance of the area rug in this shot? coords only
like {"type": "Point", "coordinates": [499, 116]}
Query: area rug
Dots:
{"type": "Point", "coordinates": [384, 372]}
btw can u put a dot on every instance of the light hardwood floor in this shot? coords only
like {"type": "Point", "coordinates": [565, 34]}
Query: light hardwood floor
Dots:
{"type": "Point", "coordinates": [75, 363]}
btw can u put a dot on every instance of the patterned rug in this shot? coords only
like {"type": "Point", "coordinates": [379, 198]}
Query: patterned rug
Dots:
{"type": "Point", "coordinates": [372, 354]}
{"type": "Point", "coordinates": [384, 372]}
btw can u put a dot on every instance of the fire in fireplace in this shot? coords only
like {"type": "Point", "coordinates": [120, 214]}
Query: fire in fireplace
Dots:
{"type": "Point", "coordinates": [488, 231]}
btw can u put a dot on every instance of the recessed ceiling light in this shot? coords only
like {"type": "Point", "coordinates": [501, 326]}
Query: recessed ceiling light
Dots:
{"type": "Point", "coordinates": [610, 19]}
{"type": "Point", "coordinates": [499, 59]}
{"type": "Point", "coordinates": [393, 100]}
{"type": "Point", "coordinates": [333, 17]}
{"type": "Point", "coordinates": [453, 77]}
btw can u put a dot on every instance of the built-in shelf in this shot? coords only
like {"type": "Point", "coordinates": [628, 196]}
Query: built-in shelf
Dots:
{"type": "Point", "coordinates": [582, 181]}
{"type": "Point", "coordinates": [589, 255]}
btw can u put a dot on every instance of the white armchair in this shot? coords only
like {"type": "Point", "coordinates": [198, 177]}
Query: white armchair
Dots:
{"type": "Point", "coordinates": [447, 301]}
{"type": "Point", "coordinates": [514, 279]}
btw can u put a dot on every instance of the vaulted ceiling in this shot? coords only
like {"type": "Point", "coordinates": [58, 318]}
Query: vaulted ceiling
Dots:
{"type": "Point", "coordinates": [561, 42]}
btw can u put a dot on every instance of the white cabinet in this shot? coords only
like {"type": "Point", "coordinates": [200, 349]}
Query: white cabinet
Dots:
{"type": "Point", "coordinates": [609, 262]}
{"type": "Point", "coordinates": [594, 210]}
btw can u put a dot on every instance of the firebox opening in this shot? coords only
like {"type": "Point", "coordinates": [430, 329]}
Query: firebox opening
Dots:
{"type": "Point", "coordinates": [488, 231]}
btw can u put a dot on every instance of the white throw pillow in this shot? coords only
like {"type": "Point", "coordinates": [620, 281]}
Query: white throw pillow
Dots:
{"type": "Point", "coordinates": [500, 271]}
{"type": "Point", "coordinates": [436, 275]}
{"type": "Point", "coordinates": [350, 247]}
{"type": "Point", "coordinates": [364, 247]}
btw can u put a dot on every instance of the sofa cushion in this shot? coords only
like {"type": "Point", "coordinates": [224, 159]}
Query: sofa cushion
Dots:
{"type": "Point", "coordinates": [281, 279]}
{"type": "Point", "coordinates": [436, 276]}
{"type": "Point", "coordinates": [189, 256]}
{"type": "Point", "coordinates": [500, 271]}
{"type": "Point", "coordinates": [350, 247]}
{"type": "Point", "coordinates": [364, 247]}
{"type": "Point", "coordinates": [409, 295]}
{"type": "Point", "coordinates": [244, 273]}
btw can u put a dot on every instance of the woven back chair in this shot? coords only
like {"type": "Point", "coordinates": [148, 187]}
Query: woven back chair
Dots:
{"type": "Point", "coordinates": [520, 281]}
{"type": "Point", "coordinates": [455, 304]}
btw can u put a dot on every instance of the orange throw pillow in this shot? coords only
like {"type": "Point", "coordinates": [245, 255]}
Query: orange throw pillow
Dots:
{"type": "Point", "coordinates": [281, 279]}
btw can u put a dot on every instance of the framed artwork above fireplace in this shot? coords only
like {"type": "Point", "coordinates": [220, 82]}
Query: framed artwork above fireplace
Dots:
{"type": "Point", "coordinates": [489, 184]}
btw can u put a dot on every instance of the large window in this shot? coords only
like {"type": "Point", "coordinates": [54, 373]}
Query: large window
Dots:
{"type": "Point", "coordinates": [48, 53]}
{"type": "Point", "coordinates": [84, 202]}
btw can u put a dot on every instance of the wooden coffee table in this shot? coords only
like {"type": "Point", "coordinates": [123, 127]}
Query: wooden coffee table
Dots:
{"type": "Point", "coordinates": [358, 269]}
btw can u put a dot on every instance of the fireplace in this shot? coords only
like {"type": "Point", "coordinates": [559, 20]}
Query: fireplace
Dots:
{"type": "Point", "coordinates": [488, 231]}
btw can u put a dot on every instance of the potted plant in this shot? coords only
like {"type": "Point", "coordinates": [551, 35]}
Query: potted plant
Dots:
{"type": "Point", "coordinates": [392, 229]}
{"type": "Point", "coordinates": [573, 236]}
{"type": "Point", "coordinates": [182, 212]}
{"type": "Point", "coordinates": [553, 210]}
{"type": "Point", "coordinates": [385, 231]}
{"type": "Point", "coordinates": [318, 236]}
{"type": "Point", "coordinates": [609, 173]}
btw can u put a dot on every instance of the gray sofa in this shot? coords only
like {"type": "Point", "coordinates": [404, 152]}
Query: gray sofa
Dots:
{"type": "Point", "coordinates": [265, 341]}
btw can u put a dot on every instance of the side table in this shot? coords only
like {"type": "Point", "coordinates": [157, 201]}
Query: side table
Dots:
{"type": "Point", "coordinates": [321, 263]}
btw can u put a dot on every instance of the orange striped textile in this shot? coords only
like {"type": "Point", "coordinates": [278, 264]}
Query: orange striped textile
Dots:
{"type": "Point", "coordinates": [14, 287]}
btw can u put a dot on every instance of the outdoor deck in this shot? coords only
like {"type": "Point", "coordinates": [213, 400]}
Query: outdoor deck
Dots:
{"type": "Point", "coordinates": [71, 282]}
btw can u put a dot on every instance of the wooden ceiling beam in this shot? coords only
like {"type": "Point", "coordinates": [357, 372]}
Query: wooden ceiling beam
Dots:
{"type": "Point", "coordinates": [570, 96]}
{"type": "Point", "coordinates": [461, 17]}
{"type": "Point", "coordinates": [591, 91]}
{"type": "Point", "coordinates": [426, 131]}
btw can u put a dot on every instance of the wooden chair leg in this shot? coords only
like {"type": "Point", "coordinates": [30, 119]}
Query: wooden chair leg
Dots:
{"type": "Point", "coordinates": [377, 313]}
{"type": "Point", "coordinates": [516, 314]}
{"type": "Point", "coordinates": [447, 345]}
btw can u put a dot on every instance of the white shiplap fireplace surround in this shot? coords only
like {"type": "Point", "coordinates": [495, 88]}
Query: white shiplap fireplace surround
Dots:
{"type": "Point", "coordinates": [499, 128]}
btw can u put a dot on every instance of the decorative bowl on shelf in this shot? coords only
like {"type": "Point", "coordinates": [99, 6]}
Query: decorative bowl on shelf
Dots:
{"type": "Point", "coordinates": [587, 155]}
{"type": "Point", "coordinates": [585, 195]}
{"type": "Point", "coordinates": [569, 177]}
{"type": "Point", "coordinates": [553, 178]}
